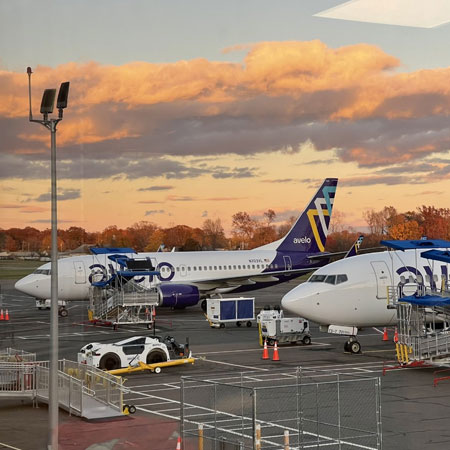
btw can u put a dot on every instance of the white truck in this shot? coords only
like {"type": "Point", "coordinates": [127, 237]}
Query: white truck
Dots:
{"type": "Point", "coordinates": [275, 327]}
{"type": "Point", "coordinates": [132, 351]}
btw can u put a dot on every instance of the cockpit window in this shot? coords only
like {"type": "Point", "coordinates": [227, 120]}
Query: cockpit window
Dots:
{"type": "Point", "coordinates": [317, 278]}
{"type": "Point", "coordinates": [341, 279]}
{"type": "Point", "coordinates": [42, 272]}
{"type": "Point", "coordinates": [330, 279]}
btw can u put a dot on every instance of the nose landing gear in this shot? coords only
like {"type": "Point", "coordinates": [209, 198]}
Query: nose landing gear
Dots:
{"type": "Point", "coordinates": [352, 345]}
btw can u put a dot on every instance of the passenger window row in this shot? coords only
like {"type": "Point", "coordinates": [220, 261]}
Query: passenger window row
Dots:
{"type": "Point", "coordinates": [166, 269]}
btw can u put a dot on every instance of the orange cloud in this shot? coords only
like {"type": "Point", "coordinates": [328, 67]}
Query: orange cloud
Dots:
{"type": "Point", "coordinates": [269, 68]}
{"type": "Point", "coordinates": [278, 84]}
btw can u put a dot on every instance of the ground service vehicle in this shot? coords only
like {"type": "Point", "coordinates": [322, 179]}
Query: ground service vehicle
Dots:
{"type": "Point", "coordinates": [132, 351]}
{"type": "Point", "coordinates": [274, 327]}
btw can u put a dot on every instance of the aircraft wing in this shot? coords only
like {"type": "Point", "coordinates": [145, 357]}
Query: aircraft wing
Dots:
{"type": "Point", "coordinates": [247, 280]}
{"type": "Point", "coordinates": [322, 256]}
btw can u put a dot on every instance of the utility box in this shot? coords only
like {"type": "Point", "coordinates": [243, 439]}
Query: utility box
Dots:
{"type": "Point", "coordinates": [238, 310]}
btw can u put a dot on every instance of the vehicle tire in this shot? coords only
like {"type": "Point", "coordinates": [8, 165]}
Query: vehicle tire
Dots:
{"type": "Point", "coordinates": [355, 347]}
{"type": "Point", "coordinates": [149, 326]}
{"type": "Point", "coordinates": [347, 346]}
{"type": "Point", "coordinates": [40, 308]}
{"type": "Point", "coordinates": [249, 324]}
{"type": "Point", "coordinates": [270, 341]}
{"type": "Point", "coordinates": [306, 340]}
{"type": "Point", "coordinates": [238, 324]}
{"type": "Point", "coordinates": [156, 356]}
{"type": "Point", "coordinates": [203, 305]}
{"type": "Point", "coordinates": [222, 325]}
{"type": "Point", "coordinates": [132, 409]}
{"type": "Point", "coordinates": [157, 370]}
{"type": "Point", "coordinates": [125, 408]}
{"type": "Point", "coordinates": [63, 312]}
{"type": "Point", "coordinates": [110, 361]}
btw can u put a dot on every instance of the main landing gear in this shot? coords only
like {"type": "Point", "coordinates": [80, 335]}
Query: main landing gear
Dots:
{"type": "Point", "coordinates": [352, 345]}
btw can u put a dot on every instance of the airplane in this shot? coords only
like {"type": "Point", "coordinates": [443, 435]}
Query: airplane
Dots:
{"type": "Point", "coordinates": [185, 278]}
{"type": "Point", "coordinates": [352, 293]}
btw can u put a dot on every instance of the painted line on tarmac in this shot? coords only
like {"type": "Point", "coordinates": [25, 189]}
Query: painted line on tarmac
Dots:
{"type": "Point", "coordinates": [8, 446]}
{"type": "Point", "coordinates": [234, 365]}
{"type": "Point", "coordinates": [293, 347]}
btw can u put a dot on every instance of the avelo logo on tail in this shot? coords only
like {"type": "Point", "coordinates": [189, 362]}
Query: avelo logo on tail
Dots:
{"type": "Point", "coordinates": [302, 240]}
{"type": "Point", "coordinates": [309, 232]}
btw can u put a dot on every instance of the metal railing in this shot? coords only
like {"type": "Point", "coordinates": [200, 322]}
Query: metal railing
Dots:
{"type": "Point", "coordinates": [127, 304]}
{"type": "Point", "coordinates": [81, 388]}
{"type": "Point", "coordinates": [13, 355]}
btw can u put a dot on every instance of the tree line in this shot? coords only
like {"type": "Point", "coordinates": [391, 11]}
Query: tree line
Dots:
{"type": "Point", "coordinates": [247, 232]}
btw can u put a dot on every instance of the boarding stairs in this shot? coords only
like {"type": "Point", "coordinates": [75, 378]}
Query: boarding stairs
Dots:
{"type": "Point", "coordinates": [126, 304]}
{"type": "Point", "coordinates": [82, 390]}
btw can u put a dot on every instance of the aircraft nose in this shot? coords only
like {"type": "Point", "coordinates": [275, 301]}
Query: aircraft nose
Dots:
{"type": "Point", "coordinates": [26, 285]}
{"type": "Point", "coordinates": [296, 301]}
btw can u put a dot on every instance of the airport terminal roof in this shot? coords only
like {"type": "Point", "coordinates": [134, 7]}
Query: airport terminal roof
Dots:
{"type": "Point", "coordinates": [416, 244]}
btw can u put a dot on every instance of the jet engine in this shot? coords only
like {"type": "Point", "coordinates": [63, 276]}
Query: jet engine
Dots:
{"type": "Point", "coordinates": [178, 295]}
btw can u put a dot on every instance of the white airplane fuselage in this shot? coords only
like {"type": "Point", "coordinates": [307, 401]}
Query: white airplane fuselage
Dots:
{"type": "Point", "coordinates": [361, 299]}
{"type": "Point", "coordinates": [183, 278]}
{"type": "Point", "coordinates": [76, 273]}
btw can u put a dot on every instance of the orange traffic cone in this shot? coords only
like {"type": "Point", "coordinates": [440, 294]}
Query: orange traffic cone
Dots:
{"type": "Point", "coordinates": [178, 444]}
{"type": "Point", "coordinates": [265, 354]}
{"type": "Point", "coordinates": [396, 335]}
{"type": "Point", "coordinates": [2, 317]}
{"type": "Point", "coordinates": [385, 335]}
{"type": "Point", "coordinates": [276, 357]}
{"type": "Point", "coordinates": [6, 315]}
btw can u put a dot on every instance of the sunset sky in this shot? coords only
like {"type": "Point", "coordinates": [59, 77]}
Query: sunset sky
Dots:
{"type": "Point", "coordinates": [185, 110]}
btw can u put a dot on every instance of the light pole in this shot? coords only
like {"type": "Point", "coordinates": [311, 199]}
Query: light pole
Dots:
{"type": "Point", "coordinates": [48, 100]}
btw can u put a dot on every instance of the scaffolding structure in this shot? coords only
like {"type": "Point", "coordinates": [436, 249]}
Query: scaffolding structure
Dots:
{"type": "Point", "coordinates": [423, 311]}
{"type": "Point", "coordinates": [123, 300]}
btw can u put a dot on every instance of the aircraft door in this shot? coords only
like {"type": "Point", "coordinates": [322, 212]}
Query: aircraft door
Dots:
{"type": "Point", "coordinates": [80, 272]}
{"type": "Point", "coordinates": [287, 263]}
{"type": "Point", "coordinates": [383, 277]}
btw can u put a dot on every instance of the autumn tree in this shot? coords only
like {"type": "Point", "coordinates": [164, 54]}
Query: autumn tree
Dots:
{"type": "Point", "coordinates": [243, 227]}
{"type": "Point", "coordinates": [406, 230]}
{"type": "Point", "coordinates": [284, 228]}
{"type": "Point", "coordinates": [380, 221]}
{"type": "Point", "coordinates": [177, 236]}
{"type": "Point", "coordinates": [155, 241]}
{"type": "Point", "coordinates": [435, 222]}
{"type": "Point", "coordinates": [214, 234]}
{"type": "Point", "coordinates": [139, 234]}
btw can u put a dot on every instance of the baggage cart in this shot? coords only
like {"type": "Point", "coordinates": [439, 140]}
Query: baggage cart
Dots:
{"type": "Point", "coordinates": [240, 311]}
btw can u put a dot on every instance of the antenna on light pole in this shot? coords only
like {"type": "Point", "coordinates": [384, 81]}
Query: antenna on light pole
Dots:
{"type": "Point", "coordinates": [47, 104]}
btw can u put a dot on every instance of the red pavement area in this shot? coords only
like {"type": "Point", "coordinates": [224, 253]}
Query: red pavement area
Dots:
{"type": "Point", "coordinates": [25, 428]}
{"type": "Point", "coordinates": [133, 432]}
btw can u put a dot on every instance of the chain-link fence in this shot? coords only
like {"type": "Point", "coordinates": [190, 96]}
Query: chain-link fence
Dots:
{"type": "Point", "coordinates": [294, 409]}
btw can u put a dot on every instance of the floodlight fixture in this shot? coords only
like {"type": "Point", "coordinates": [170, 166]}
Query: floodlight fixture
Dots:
{"type": "Point", "coordinates": [63, 95]}
{"type": "Point", "coordinates": [48, 101]}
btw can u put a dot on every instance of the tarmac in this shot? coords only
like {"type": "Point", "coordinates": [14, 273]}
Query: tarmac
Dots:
{"type": "Point", "coordinates": [415, 414]}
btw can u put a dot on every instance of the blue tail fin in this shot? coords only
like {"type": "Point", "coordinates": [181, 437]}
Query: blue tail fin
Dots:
{"type": "Point", "coordinates": [355, 247]}
{"type": "Point", "coordinates": [309, 233]}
